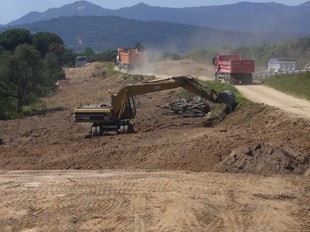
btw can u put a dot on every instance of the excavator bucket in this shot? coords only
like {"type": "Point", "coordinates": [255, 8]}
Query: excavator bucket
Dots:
{"type": "Point", "coordinates": [228, 98]}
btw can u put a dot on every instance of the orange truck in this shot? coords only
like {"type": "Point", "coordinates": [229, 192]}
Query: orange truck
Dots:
{"type": "Point", "coordinates": [129, 58]}
{"type": "Point", "coordinates": [231, 68]}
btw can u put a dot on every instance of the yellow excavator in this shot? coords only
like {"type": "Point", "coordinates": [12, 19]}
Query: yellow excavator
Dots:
{"type": "Point", "coordinates": [114, 118]}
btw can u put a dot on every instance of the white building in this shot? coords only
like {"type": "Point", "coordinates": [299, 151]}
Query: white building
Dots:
{"type": "Point", "coordinates": [281, 65]}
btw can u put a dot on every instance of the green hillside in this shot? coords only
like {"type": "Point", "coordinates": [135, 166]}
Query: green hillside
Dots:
{"type": "Point", "coordinates": [298, 85]}
{"type": "Point", "coordinates": [298, 49]}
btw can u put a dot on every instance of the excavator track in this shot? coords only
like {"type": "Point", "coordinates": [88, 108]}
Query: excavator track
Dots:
{"type": "Point", "coordinates": [101, 129]}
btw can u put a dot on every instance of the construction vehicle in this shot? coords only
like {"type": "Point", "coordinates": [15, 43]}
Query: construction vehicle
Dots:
{"type": "Point", "coordinates": [80, 61]}
{"type": "Point", "coordinates": [281, 65]}
{"type": "Point", "coordinates": [114, 118]}
{"type": "Point", "coordinates": [232, 69]}
{"type": "Point", "coordinates": [129, 58]}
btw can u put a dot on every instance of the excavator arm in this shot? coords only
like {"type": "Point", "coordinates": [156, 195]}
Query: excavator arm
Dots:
{"type": "Point", "coordinates": [120, 100]}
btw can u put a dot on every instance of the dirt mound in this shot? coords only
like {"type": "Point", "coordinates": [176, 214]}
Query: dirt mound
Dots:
{"type": "Point", "coordinates": [264, 158]}
{"type": "Point", "coordinates": [276, 143]}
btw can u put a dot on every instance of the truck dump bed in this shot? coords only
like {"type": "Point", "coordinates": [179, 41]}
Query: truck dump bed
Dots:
{"type": "Point", "coordinates": [130, 56]}
{"type": "Point", "coordinates": [237, 66]}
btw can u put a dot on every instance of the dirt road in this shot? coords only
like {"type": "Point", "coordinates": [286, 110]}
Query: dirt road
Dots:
{"type": "Point", "coordinates": [151, 201]}
{"type": "Point", "coordinates": [272, 97]}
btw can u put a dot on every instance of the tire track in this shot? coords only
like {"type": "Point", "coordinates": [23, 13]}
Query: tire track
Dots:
{"type": "Point", "coordinates": [149, 201]}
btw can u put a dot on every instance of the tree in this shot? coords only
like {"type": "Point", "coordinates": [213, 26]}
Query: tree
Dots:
{"type": "Point", "coordinates": [140, 47]}
{"type": "Point", "coordinates": [10, 39]}
{"type": "Point", "coordinates": [2, 49]}
{"type": "Point", "coordinates": [28, 71]}
{"type": "Point", "coordinates": [52, 50]}
{"type": "Point", "coordinates": [46, 42]}
{"type": "Point", "coordinates": [109, 55]}
{"type": "Point", "coordinates": [51, 73]}
{"type": "Point", "coordinates": [90, 53]}
{"type": "Point", "coordinates": [20, 74]}
{"type": "Point", "coordinates": [68, 57]}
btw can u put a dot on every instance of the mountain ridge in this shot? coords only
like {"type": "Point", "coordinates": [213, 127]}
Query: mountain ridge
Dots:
{"type": "Point", "coordinates": [242, 16]}
{"type": "Point", "coordinates": [110, 32]}
{"type": "Point", "coordinates": [81, 24]}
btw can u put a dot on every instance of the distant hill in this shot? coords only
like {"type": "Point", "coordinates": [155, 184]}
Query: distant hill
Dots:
{"type": "Point", "coordinates": [243, 16]}
{"type": "Point", "coordinates": [83, 24]}
{"type": "Point", "coordinates": [110, 32]}
{"type": "Point", "coordinates": [78, 8]}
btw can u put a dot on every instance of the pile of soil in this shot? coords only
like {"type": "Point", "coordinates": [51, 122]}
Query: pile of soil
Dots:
{"type": "Point", "coordinates": [264, 158]}
{"type": "Point", "coordinates": [276, 142]}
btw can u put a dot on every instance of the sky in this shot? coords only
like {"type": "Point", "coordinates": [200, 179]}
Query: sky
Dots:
{"type": "Point", "coordinates": [14, 9]}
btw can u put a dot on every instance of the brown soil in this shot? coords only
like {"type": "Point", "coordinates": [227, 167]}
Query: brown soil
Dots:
{"type": "Point", "coordinates": [254, 139]}
{"type": "Point", "coordinates": [162, 140]}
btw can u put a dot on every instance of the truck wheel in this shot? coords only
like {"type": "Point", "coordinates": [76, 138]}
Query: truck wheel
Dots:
{"type": "Point", "coordinates": [130, 128]}
{"type": "Point", "coordinates": [121, 129]}
{"type": "Point", "coordinates": [233, 81]}
{"type": "Point", "coordinates": [126, 129]}
{"type": "Point", "coordinates": [215, 76]}
{"type": "Point", "coordinates": [98, 130]}
{"type": "Point", "coordinates": [94, 131]}
{"type": "Point", "coordinates": [120, 66]}
{"type": "Point", "coordinates": [226, 78]}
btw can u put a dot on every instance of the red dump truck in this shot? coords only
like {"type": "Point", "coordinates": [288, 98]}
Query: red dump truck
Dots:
{"type": "Point", "coordinates": [232, 69]}
{"type": "Point", "coordinates": [129, 58]}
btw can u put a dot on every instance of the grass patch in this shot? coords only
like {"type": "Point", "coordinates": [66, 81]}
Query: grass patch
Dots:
{"type": "Point", "coordinates": [109, 68]}
{"type": "Point", "coordinates": [33, 108]}
{"type": "Point", "coordinates": [297, 85]}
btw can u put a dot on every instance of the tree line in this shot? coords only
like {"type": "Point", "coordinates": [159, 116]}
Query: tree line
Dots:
{"type": "Point", "coordinates": [298, 49]}
{"type": "Point", "coordinates": [31, 65]}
